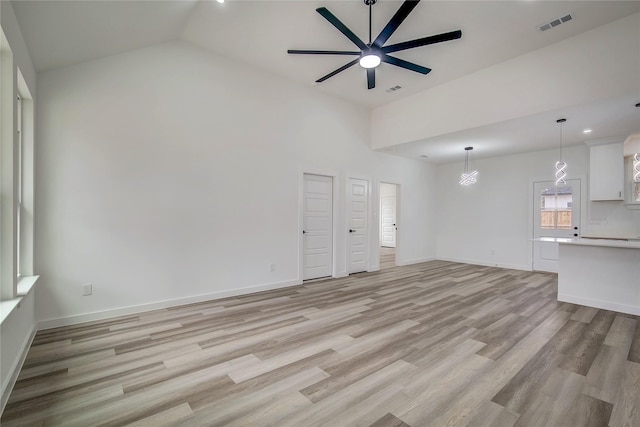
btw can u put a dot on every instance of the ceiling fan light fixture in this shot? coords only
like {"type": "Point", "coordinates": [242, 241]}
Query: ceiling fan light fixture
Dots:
{"type": "Point", "coordinates": [370, 60]}
{"type": "Point", "coordinates": [371, 54]}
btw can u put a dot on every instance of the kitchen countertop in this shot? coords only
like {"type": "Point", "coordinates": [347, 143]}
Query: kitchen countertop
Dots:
{"type": "Point", "coordinates": [612, 243]}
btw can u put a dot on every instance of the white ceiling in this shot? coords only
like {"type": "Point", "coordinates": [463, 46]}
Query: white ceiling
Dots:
{"type": "Point", "coordinates": [611, 118]}
{"type": "Point", "coordinates": [258, 33]}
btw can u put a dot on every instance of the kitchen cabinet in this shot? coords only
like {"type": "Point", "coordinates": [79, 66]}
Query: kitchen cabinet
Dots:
{"type": "Point", "coordinates": [606, 172]}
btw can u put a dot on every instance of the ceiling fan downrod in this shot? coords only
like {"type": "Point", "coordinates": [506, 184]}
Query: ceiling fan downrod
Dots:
{"type": "Point", "coordinates": [370, 3]}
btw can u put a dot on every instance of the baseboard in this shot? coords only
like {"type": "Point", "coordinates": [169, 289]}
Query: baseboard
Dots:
{"type": "Point", "coordinates": [135, 309]}
{"type": "Point", "coordinates": [486, 264]}
{"type": "Point", "coordinates": [15, 370]}
{"type": "Point", "coordinates": [402, 263]}
{"type": "Point", "coordinates": [606, 305]}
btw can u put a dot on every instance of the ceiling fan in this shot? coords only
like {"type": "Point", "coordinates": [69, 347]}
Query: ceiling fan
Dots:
{"type": "Point", "coordinates": [370, 55]}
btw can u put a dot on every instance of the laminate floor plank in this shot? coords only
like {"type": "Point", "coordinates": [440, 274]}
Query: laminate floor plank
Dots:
{"type": "Point", "coordinates": [589, 412]}
{"type": "Point", "coordinates": [57, 404]}
{"type": "Point", "coordinates": [324, 410]}
{"type": "Point", "coordinates": [431, 344]}
{"type": "Point", "coordinates": [389, 420]}
{"type": "Point", "coordinates": [431, 401]}
{"type": "Point", "coordinates": [370, 409]}
{"type": "Point", "coordinates": [490, 414]}
{"type": "Point", "coordinates": [626, 411]}
{"type": "Point", "coordinates": [553, 400]}
{"type": "Point", "coordinates": [168, 417]}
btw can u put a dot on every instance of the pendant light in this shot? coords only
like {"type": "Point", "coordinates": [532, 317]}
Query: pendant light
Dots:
{"type": "Point", "coordinates": [561, 165]}
{"type": "Point", "coordinates": [468, 177]}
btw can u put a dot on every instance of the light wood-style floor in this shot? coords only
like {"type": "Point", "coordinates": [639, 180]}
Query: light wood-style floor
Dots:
{"type": "Point", "coordinates": [433, 344]}
{"type": "Point", "coordinates": [387, 257]}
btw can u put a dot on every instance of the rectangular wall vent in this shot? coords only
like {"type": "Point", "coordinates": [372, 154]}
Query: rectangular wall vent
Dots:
{"type": "Point", "coordinates": [555, 22]}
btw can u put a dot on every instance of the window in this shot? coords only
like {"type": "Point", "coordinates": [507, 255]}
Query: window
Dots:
{"type": "Point", "coordinates": [16, 180]}
{"type": "Point", "coordinates": [556, 208]}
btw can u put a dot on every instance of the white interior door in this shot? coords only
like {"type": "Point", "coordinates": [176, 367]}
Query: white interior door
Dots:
{"type": "Point", "coordinates": [357, 220]}
{"type": "Point", "coordinates": [556, 213]}
{"type": "Point", "coordinates": [388, 215]}
{"type": "Point", "coordinates": [317, 232]}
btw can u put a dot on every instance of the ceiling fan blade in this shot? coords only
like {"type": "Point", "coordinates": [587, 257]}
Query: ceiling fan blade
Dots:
{"type": "Point", "coordinates": [341, 27]}
{"type": "Point", "coordinates": [371, 78]}
{"type": "Point", "coordinates": [395, 22]}
{"type": "Point", "coordinates": [339, 70]}
{"type": "Point", "coordinates": [405, 64]}
{"type": "Point", "coordinates": [439, 38]}
{"type": "Point", "coordinates": [322, 52]}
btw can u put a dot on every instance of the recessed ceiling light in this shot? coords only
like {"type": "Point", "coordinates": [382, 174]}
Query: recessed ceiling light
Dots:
{"type": "Point", "coordinates": [220, 1]}
{"type": "Point", "coordinates": [586, 131]}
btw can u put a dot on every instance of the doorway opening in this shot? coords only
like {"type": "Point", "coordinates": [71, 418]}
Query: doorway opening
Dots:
{"type": "Point", "coordinates": [388, 224]}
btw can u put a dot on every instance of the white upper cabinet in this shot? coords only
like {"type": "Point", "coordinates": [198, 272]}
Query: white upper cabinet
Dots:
{"type": "Point", "coordinates": [606, 172]}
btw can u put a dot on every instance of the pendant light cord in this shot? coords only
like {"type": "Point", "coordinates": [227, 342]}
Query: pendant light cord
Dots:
{"type": "Point", "coordinates": [561, 123]}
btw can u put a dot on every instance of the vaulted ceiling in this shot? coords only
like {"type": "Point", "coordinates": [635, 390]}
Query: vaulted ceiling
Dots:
{"type": "Point", "coordinates": [258, 33]}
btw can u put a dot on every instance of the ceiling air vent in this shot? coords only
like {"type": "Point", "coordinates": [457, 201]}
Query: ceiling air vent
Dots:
{"type": "Point", "coordinates": [393, 89]}
{"type": "Point", "coordinates": [555, 22]}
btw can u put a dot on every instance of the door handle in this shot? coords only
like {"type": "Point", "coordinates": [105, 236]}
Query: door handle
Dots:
{"type": "Point", "coordinates": [352, 231]}
{"type": "Point", "coordinates": [304, 232]}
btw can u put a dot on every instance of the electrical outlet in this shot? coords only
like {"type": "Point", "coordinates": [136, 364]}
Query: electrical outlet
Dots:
{"type": "Point", "coordinates": [87, 289]}
{"type": "Point", "coordinates": [272, 268]}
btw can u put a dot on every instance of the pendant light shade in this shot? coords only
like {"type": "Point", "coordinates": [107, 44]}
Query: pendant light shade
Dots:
{"type": "Point", "coordinates": [468, 177]}
{"type": "Point", "coordinates": [561, 165]}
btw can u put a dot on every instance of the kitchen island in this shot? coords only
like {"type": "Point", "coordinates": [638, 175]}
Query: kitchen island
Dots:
{"type": "Point", "coordinates": [600, 273]}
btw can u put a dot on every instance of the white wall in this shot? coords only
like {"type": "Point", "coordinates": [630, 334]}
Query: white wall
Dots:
{"type": "Point", "coordinates": [167, 174]}
{"type": "Point", "coordinates": [495, 214]}
{"type": "Point", "coordinates": [594, 65]}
